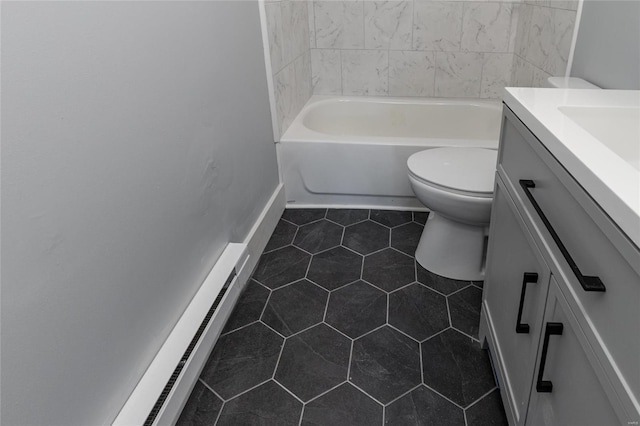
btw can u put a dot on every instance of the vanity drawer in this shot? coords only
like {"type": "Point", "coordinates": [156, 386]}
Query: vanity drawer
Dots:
{"type": "Point", "coordinates": [591, 241]}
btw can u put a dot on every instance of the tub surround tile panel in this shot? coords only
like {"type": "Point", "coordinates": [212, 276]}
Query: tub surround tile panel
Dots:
{"type": "Point", "coordinates": [326, 69]}
{"type": "Point", "coordinates": [486, 27]}
{"type": "Point", "coordinates": [411, 73]}
{"type": "Point", "coordinates": [543, 41]}
{"type": "Point", "coordinates": [458, 74]}
{"type": "Point", "coordinates": [288, 32]}
{"type": "Point", "coordinates": [522, 73]}
{"type": "Point", "coordinates": [437, 25]}
{"type": "Point", "coordinates": [539, 77]}
{"type": "Point", "coordinates": [274, 31]}
{"type": "Point", "coordinates": [339, 24]}
{"type": "Point", "coordinates": [387, 24]}
{"type": "Point", "coordinates": [365, 72]}
{"type": "Point", "coordinates": [350, 354]}
{"type": "Point", "coordinates": [494, 34]}
{"type": "Point", "coordinates": [496, 74]}
{"type": "Point", "coordinates": [295, 29]}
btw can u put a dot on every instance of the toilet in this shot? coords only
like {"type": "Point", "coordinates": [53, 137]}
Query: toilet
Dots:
{"type": "Point", "coordinates": [456, 184]}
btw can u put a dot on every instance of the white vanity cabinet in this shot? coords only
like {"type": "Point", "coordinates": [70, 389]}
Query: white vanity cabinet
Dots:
{"type": "Point", "coordinates": [561, 295]}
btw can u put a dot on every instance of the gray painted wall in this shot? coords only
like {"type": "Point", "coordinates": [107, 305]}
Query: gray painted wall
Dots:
{"type": "Point", "coordinates": [136, 141]}
{"type": "Point", "coordinates": [607, 50]}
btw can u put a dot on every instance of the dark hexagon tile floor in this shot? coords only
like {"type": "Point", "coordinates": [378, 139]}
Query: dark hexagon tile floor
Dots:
{"type": "Point", "coordinates": [334, 268]}
{"type": "Point", "coordinates": [352, 325]}
{"type": "Point", "coordinates": [268, 404]}
{"type": "Point", "coordinates": [314, 361]}
{"type": "Point", "coordinates": [357, 309]}
{"type": "Point", "coordinates": [295, 307]}
{"type": "Point", "coordinates": [347, 216]}
{"type": "Point", "coordinates": [282, 235]}
{"type": "Point", "coordinates": [344, 405]}
{"type": "Point", "coordinates": [242, 359]}
{"type": "Point", "coordinates": [418, 311]}
{"type": "Point", "coordinates": [366, 237]}
{"type": "Point", "coordinates": [318, 236]}
{"type": "Point", "coordinates": [385, 363]}
{"type": "Point", "coordinates": [389, 269]}
{"type": "Point", "coordinates": [465, 310]}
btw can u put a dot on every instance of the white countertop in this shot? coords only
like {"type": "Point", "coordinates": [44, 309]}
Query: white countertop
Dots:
{"type": "Point", "coordinates": [595, 162]}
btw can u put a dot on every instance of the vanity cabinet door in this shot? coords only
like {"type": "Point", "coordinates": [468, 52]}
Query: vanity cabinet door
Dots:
{"type": "Point", "coordinates": [572, 388]}
{"type": "Point", "coordinates": [515, 291]}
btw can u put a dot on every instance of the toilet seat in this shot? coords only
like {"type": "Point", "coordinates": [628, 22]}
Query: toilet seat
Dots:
{"type": "Point", "coordinates": [440, 167]}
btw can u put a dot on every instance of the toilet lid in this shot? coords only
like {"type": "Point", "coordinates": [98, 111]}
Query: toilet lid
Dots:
{"type": "Point", "coordinates": [461, 169]}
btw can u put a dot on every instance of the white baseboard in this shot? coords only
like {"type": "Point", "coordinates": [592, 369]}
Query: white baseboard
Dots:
{"type": "Point", "coordinates": [261, 231]}
{"type": "Point", "coordinates": [156, 379]}
{"type": "Point", "coordinates": [241, 257]}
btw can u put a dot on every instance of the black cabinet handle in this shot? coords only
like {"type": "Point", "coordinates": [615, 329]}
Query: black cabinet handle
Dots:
{"type": "Point", "coordinates": [552, 328]}
{"type": "Point", "coordinates": [588, 283]}
{"type": "Point", "coordinates": [529, 277]}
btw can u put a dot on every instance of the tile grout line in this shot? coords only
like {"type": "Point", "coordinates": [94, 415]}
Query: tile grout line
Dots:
{"type": "Point", "coordinates": [442, 396]}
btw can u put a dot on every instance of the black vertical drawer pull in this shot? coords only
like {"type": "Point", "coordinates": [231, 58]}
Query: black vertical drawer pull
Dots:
{"type": "Point", "coordinates": [552, 328]}
{"type": "Point", "coordinates": [588, 283]}
{"type": "Point", "coordinates": [529, 277]}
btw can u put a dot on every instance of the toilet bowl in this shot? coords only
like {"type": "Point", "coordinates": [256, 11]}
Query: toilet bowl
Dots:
{"type": "Point", "coordinates": [456, 184]}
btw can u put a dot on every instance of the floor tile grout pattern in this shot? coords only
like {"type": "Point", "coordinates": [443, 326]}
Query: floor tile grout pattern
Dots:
{"type": "Point", "coordinates": [340, 325]}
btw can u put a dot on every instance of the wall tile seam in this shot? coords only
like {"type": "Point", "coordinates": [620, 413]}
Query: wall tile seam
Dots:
{"type": "Point", "coordinates": [274, 73]}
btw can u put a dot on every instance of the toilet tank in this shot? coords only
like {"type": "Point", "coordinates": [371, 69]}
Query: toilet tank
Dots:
{"type": "Point", "coordinates": [569, 83]}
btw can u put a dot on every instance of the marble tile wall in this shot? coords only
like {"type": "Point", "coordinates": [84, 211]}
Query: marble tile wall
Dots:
{"type": "Point", "coordinates": [289, 46]}
{"type": "Point", "coordinates": [412, 47]}
{"type": "Point", "coordinates": [437, 48]}
{"type": "Point", "coordinates": [542, 40]}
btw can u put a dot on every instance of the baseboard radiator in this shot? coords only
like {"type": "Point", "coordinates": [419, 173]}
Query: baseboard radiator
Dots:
{"type": "Point", "coordinates": [163, 390]}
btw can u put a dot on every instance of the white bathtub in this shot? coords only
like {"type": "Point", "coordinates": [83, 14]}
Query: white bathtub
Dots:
{"type": "Point", "coordinates": [353, 151]}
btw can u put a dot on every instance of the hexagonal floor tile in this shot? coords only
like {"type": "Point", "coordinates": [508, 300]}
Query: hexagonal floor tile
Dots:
{"type": "Point", "coordinates": [489, 411]}
{"type": "Point", "coordinates": [295, 307]}
{"type": "Point", "coordinates": [406, 237]}
{"type": "Point", "coordinates": [242, 359]}
{"type": "Point", "coordinates": [334, 268]}
{"type": "Point", "coordinates": [268, 404]}
{"type": "Point", "coordinates": [303, 216]}
{"type": "Point", "coordinates": [440, 284]}
{"type": "Point", "coordinates": [422, 406]}
{"type": "Point", "coordinates": [389, 269]}
{"type": "Point", "coordinates": [420, 217]}
{"type": "Point", "coordinates": [202, 407]}
{"type": "Point", "coordinates": [347, 216]}
{"type": "Point", "coordinates": [249, 306]}
{"type": "Point", "coordinates": [282, 266]}
{"type": "Point", "coordinates": [318, 236]}
{"type": "Point", "coordinates": [385, 364]}
{"type": "Point", "coordinates": [418, 311]}
{"type": "Point", "coordinates": [357, 309]}
{"type": "Point", "coordinates": [314, 361]}
{"type": "Point", "coordinates": [366, 237]}
{"type": "Point", "coordinates": [344, 405]}
{"type": "Point", "coordinates": [456, 367]}
{"type": "Point", "coordinates": [465, 310]}
{"type": "Point", "coordinates": [391, 218]}
{"type": "Point", "coordinates": [282, 235]}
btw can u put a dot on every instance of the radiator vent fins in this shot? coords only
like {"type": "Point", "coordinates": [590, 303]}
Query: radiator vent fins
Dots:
{"type": "Point", "coordinates": [183, 361]}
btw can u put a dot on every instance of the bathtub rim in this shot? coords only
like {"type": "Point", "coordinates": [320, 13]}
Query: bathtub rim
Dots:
{"type": "Point", "coordinates": [298, 133]}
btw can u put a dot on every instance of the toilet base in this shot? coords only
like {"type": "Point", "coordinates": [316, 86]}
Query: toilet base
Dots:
{"type": "Point", "coordinates": [452, 249]}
